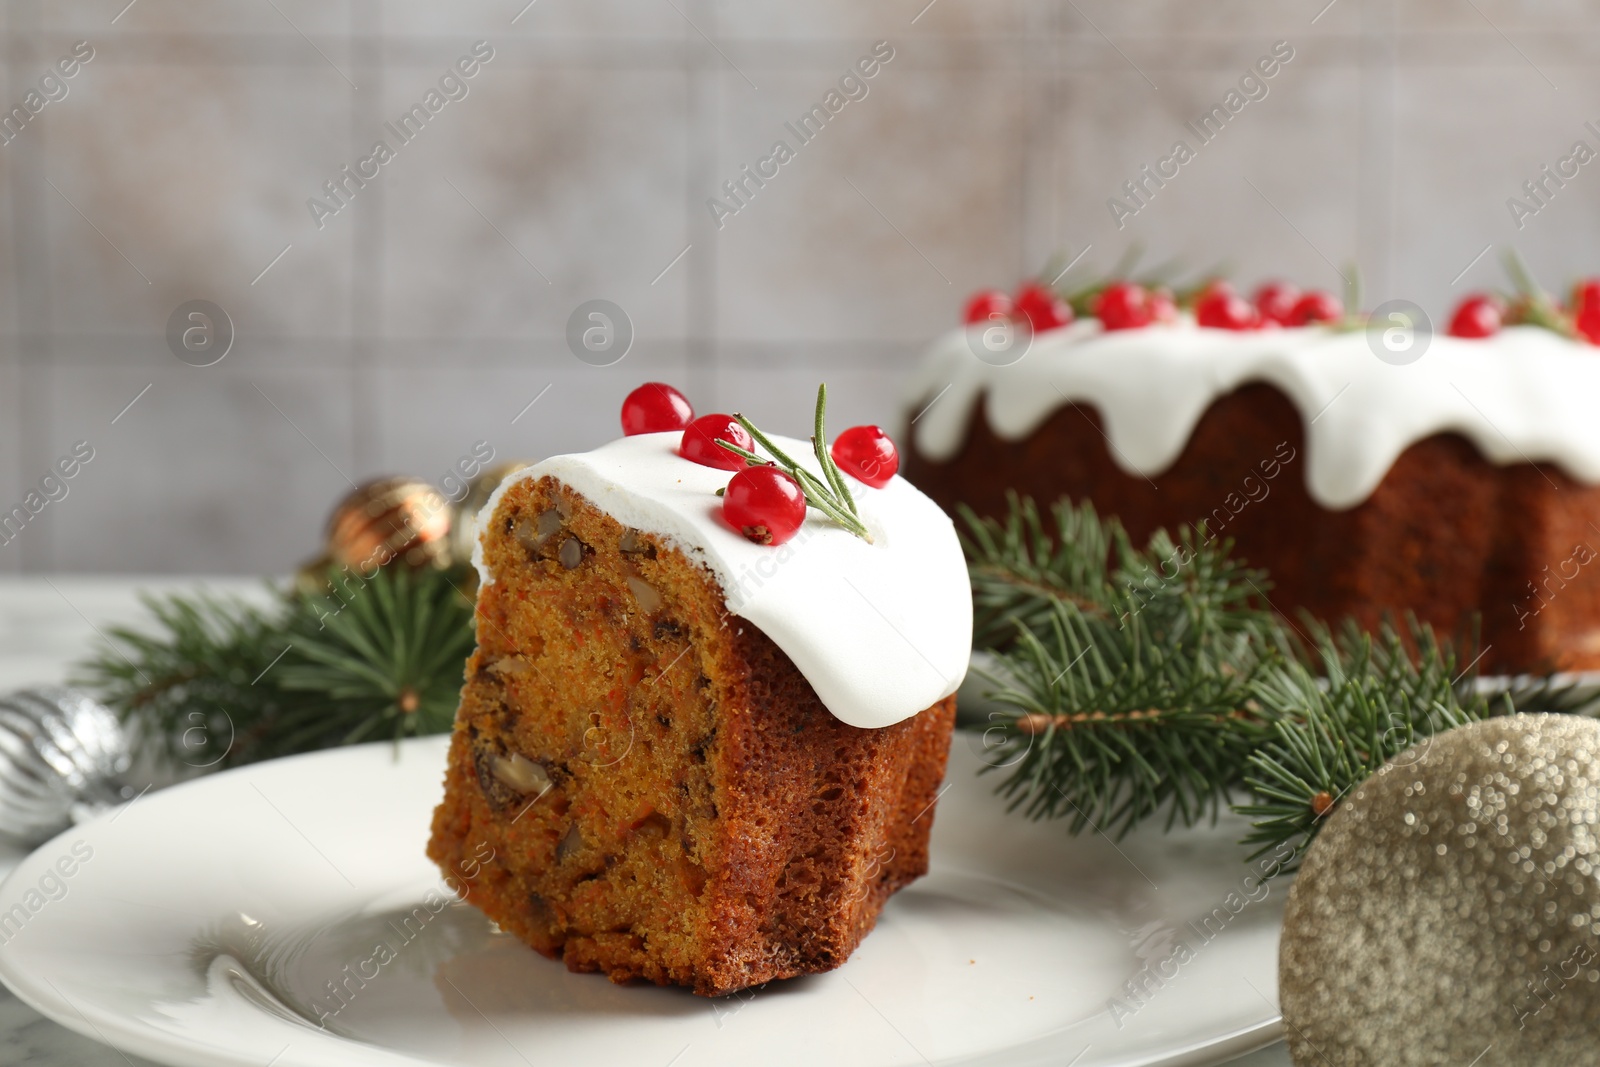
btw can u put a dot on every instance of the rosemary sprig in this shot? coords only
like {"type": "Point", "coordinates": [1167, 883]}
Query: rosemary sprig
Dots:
{"type": "Point", "coordinates": [1183, 283]}
{"type": "Point", "coordinates": [1533, 306]}
{"type": "Point", "coordinates": [831, 497]}
{"type": "Point", "coordinates": [1352, 290]}
{"type": "Point", "coordinates": [819, 445]}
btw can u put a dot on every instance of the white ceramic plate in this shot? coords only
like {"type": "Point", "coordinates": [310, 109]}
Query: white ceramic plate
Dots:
{"type": "Point", "coordinates": [204, 924]}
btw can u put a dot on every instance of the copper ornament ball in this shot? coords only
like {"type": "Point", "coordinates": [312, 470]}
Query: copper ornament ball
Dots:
{"type": "Point", "coordinates": [390, 519]}
{"type": "Point", "coordinates": [1449, 911]}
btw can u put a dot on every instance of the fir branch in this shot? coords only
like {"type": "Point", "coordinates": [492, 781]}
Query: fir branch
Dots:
{"type": "Point", "coordinates": [1124, 679]}
{"type": "Point", "coordinates": [1115, 721]}
{"type": "Point", "coordinates": [1194, 591]}
{"type": "Point", "coordinates": [219, 682]}
{"type": "Point", "coordinates": [1136, 681]}
{"type": "Point", "coordinates": [1019, 569]}
{"type": "Point", "coordinates": [387, 661]}
{"type": "Point", "coordinates": [187, 680]}
{"type": "Point", "coordinates": [1357, 702]}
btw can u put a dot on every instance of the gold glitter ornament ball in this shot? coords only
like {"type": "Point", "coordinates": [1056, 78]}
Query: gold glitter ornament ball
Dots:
{"type": "Point", "coordinates": [1449, 911]}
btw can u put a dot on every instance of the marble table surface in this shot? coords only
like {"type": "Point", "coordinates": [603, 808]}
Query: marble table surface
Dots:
{"type": "Point", "coordinates": [45, 625]}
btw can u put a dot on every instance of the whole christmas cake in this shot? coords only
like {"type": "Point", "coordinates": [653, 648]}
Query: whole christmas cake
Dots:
{"type": "Point", "coordinates": [1459, 480]}
{"type": "Point", "coordinates": [705, 724]}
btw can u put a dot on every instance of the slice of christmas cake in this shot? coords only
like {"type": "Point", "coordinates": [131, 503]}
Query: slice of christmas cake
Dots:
{"type": "Point", "coordinates": [708, 714]}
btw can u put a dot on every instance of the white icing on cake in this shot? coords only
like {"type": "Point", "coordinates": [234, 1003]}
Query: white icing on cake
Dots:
{"type": "Point", "coordinates": [880, 630]}
{"type": "Point", "coordinates": [1525, 395]}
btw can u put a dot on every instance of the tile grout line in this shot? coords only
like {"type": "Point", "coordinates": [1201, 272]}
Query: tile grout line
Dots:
{"type": "Point", "coordinates": [1380, 77]}
{"type": "Point", "coordinates": [35, 370]}
{"type": "Point", "coordinates": [15, 413]}
{"type": "Point", "coordinates": [18, 414]}
{"type": "Point", "coordinates": [368, 58]}
{"type": "Point", "coordinates": [703, 97]}
{"type": "Point", "coordinates": [1040, 149]}
{"type": "Point", "coordinates": [1392, 116]}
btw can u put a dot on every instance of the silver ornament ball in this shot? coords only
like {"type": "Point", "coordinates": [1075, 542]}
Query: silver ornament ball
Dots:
{"type": "Point", "coordinates": [1449, 911]}
{"type": "Point", "coordinates": [61, 754]}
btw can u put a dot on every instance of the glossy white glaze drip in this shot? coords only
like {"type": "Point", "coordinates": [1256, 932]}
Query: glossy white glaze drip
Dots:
{"type": "Point", "coordinates": [880, 630]}
{"type": "Point", "coordinates": [1525, 395]}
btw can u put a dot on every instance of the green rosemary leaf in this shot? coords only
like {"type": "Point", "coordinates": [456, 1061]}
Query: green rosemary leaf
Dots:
{"type": "Point", "coordinates": [819, 445]}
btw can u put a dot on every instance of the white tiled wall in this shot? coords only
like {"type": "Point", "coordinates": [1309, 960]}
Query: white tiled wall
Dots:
{"type": "Point", "coordinates": [425, 315]}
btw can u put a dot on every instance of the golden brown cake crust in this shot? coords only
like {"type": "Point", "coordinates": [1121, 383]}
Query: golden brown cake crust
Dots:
{"type": "Point", "coordinates": [707, 822]}
{"type": "Point", "coordinates": [1445, 534]}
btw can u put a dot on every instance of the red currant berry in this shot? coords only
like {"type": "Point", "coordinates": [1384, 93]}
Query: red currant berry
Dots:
{"type": "Point", "coordinates": [1042, 308]}
{"type": "Point", "coordinates": [867, 455]}
{"type": "Point", "coordinates": [1586, 310]}
{"type": "Point", "coordinates": [1123, 306]}
{"type": "Point", "coordinates": [700, 439]}
{"type": "Point", "coordinates": [1478, 316]}
{"type": "Point", "coordinates": [987, 305]}
{"type": "Point", "coordinates": [764, 504]}
{"type": "Point", "coordinates": [655, 407]}
{"type": "Point", "coordinates": [1588, 325]}
{"type": "Point", "coordinates": [1276, 301]}
{"type": "Point", "coordinates": [1315, 306]}
{"type": "Point", "coordinates": [1222, 308]}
